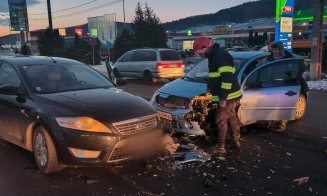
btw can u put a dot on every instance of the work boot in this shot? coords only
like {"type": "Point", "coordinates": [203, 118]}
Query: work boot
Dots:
{"type": "Point", "coordinates": [236, 140]}
{"type": "Point", "coordinates": [281, 126]}
{"type": "Point", "coordinates": [220, 149]}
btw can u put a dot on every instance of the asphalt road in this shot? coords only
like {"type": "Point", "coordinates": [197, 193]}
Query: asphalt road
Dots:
{"type": "Point", "coordinates": [266, 165]}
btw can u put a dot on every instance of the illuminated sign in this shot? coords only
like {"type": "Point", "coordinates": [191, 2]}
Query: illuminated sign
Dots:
{"type": "Point", "coordinates": [288, 9]}
{"type": "Point", "coordinates": [94, 32]}
{"type": "Point", "coordinates": [79, 32]}
{"type": "Point", "coordinates": [62, 32]}
{"type": "Point", "coordinates": [286, 25]}
{"type": "Point", "coordinates": [104, 28]}
{"type": "Point", "coordinates": [189, 32]}
{"type": "Point", "coordinates": [18, 15]}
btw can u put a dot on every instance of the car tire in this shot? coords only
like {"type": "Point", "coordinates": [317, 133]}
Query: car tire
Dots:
{"type": "Point", "coordinates": [147, 76]}
{"type": "Point", "coordinates": [301, 106]}
{"type": "Point", "coordinates": [44, 151]}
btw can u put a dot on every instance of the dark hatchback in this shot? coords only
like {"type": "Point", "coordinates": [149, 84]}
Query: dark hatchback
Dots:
{"type": "Point", "coordinates": [67, 114]}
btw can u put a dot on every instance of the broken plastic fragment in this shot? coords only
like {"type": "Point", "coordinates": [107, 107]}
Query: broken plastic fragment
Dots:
{"type": "Point", "coordinates": [191, 156]}
{"type": "Point", "coordinates": [300, 181]}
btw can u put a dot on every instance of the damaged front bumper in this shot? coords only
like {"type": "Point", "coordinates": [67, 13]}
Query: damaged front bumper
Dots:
{"type": "Point", "coordinates": [174, 120]}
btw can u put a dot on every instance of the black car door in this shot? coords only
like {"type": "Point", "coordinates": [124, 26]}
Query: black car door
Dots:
{"type": "Point", "coordinates": [10, 109]}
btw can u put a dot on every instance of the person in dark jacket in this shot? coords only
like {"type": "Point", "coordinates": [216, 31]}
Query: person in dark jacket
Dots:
{"type": "Point", "coordinates": [225, 90]}
{"type": "Point", "coordinates": [278, 52]}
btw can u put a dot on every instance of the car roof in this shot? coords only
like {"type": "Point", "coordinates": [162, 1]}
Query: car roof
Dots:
{"type": "Point", "coordinates": [247, 55]}
{"type": "Point", "coordinates": [152, 49]}
{"type": "Point", "coordinates": [33, 60]}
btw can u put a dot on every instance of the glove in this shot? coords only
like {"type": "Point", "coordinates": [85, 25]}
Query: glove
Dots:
{"type": "Point", "coordinates": [222, 103]}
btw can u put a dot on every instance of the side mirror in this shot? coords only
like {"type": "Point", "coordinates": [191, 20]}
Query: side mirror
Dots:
{"type": "Point", "coordinates": [8, 90]}
{"type": "Point", "coordinates": [121, 82]}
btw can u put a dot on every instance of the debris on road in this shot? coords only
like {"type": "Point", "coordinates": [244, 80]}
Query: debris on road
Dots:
{"type": "Point", "coordinates": [272, 171]}
{"type": "Point", "coordinates": [221, 158]}
{"type": "Point", "coordinates": [300, 181]}
{"type": "Point", "coordinates": [191, 156]}
{"type": "Point", "coordinates": [169, 144]}
{"type": "Point", "coordinates": [32, 170]}
{"type": "Point", "coordinates": [91, 181]}
{"type": "Point", "coordinates": [288, 154]}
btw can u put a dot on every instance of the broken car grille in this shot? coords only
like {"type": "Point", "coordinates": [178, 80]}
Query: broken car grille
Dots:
{"type": "Point", "coordinates": [170, 101]}
{"type": "Point", "coordinates": [172, 124]}
{"type": "Point", "coordinates": [137, 125]}
{"type": "Point", "coordinates": [120, 154]}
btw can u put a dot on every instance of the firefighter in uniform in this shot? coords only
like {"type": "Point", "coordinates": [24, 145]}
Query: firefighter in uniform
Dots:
{"type": "Point", "coordinates": [224, 88]}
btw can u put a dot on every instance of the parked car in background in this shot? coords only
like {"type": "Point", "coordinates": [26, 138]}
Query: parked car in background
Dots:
{"type": "Point", "coordinates": [271, 91]}
{"type": "Point", "coordinates": [149, 64]}
{"type": "Point", "coordinates": [238, 49]}
{"type": "Point", "coordinates": [67, 113]}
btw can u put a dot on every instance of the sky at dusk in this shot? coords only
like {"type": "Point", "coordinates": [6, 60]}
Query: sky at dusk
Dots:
{"type": "Point", "coordinates": [166, 10]}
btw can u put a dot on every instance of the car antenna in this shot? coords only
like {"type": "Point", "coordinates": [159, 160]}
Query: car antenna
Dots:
{"type": "Point", "coordinates": [54, 61]}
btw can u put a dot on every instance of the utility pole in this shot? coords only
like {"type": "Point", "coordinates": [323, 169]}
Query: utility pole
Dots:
{"type": "Point", "coordinates": [124, 13]}
{"type": "Point", "coordinates": [316, 49]}
{"type": "Point", "coordinates": [49, 15]}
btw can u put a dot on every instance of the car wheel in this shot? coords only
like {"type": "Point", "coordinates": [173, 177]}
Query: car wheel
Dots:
{"type": "Point", "coordinates": [301, 107]}
{"type": "Point", "coordinates": [44, 151]}
{"type": "Point", "coordinates": [147, 76]}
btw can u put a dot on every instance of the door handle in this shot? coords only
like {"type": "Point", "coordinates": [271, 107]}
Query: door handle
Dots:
{"type": "Point", "coordinates": [291, 93]}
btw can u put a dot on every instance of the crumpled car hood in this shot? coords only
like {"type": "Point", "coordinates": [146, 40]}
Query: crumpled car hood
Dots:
{"type": "Point", "coordinates": [184, 88]}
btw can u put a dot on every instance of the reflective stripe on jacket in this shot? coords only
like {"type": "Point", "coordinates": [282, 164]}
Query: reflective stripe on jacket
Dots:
{"type": "Point", "coordinates": [223, 83]}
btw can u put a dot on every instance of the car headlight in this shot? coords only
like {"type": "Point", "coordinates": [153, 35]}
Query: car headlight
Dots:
{"type": "Point", "coordinates": [153, 99]}
{"type": "Point", "coordinates": [83, 124]}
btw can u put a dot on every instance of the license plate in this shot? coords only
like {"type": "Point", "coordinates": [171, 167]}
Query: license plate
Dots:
{"type": "Point", "coordinates": [164, 115]}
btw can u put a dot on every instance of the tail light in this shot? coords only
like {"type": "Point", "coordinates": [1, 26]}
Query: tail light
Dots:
{"type": "Point", "coordinates": [173, 65]}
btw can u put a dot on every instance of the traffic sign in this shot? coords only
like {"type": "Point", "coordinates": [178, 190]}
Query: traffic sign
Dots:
{"type": "Point", "coordinates": [93, 41]}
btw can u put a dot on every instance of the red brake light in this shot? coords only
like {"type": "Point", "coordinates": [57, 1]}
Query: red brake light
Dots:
{"type": "Point", "coordinates": [161, 65]}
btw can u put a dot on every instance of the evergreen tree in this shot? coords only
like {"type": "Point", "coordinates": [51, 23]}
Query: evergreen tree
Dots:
{"type": "Point", "coordinates": [122, 44]}
{"type": "Point", "coordinates": [256, 39]}
{"type": "Point", "coordinates": [25, 50]}
{"type": "Point", "coordinates": [50, 43]}
{"type": "Point", "coordinates": [265, 38]}
{"type": "Point", "coordinates": [250, 43]}
{"type": "Point", "coordinates": [148, 30]}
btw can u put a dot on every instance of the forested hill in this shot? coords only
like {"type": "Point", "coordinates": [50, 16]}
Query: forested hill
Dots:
{"type": "Point", "coordinates": [236, 14]}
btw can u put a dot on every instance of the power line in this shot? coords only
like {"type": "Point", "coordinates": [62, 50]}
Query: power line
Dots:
{"type": "Point", "coordinates": [77, 6]}
{"type": "Point", "coordinates": [79, 12]}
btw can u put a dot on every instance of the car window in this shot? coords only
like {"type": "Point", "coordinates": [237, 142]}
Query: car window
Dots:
{"type": "Point", "coordinates": [8, 75]}
{"type": "Point", "coordinates": [252, 66]}
{"type": "Point", "coordinates": [284, 73]}
{"type": "Point", "coordinates": [127, 57]}
{"type": "Point", "coordinates": [202, 67]}
{"type": "Point", "coordinates": [66, 77]}
{"type": "Point", "coordinates": [169, 55]}
{"type": "Point", "coordinates": [144, 55]}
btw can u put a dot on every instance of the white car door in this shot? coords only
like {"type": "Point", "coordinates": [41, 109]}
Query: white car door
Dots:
{"type": "Point", "coordinates": [270, 92]}
{"type": "Point", "coordinates": [123, 64]}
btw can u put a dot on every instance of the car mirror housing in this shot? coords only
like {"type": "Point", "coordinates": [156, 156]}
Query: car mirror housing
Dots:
{"type": "Point", "coordinates": [8, 90]}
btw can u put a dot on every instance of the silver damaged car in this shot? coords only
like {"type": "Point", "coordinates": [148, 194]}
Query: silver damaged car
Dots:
{"type": "Point", "coordinates": [271, 91]}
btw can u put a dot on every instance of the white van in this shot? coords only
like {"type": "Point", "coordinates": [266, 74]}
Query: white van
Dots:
{"type": "Point", "coordinates": [150, 63]}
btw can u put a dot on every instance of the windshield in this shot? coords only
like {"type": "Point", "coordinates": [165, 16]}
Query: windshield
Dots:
{"type": "Point", "coordinates": [53, 78]}
{"type": "Point", "coordinates": [201, 71]}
